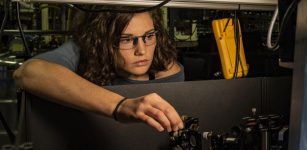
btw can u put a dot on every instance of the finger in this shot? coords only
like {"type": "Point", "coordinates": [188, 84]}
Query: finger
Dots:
{"type": "Point", "coordinates": [160, 117]}
{"type": "Point", "coordinates": [170, 113]}
{"type": "Point", "coordinates": [152, 122]}
{"type": "Point", "coordinates": [174, 118]}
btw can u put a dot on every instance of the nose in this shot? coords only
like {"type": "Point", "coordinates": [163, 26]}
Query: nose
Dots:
{"type": "Point", "coordinates": [140, 48]}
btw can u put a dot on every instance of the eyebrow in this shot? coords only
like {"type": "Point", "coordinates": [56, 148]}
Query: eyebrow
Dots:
{"type": "Point", "coordinates": [128, 34]}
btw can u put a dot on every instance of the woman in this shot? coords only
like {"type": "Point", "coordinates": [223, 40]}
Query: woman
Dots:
{"type": "Point", "coordinates": [109, 49]}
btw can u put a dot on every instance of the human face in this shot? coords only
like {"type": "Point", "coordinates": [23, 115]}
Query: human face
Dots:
{"type": "Point", "coordinates": [137, 60]}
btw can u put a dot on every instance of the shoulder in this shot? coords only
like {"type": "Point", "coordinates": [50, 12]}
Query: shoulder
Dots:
{"type": "Point", "coordinates": [66, 55]}
{"type": "Point", "coordinates": [65, 49]}
{"type": "Point", "coordinates": [172, 68]}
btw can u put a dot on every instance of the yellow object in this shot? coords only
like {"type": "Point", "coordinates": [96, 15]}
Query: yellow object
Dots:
{"type": "Point", "coordinates": [226, 44]}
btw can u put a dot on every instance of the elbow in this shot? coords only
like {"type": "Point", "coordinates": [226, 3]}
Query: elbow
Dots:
{"type": "Point", "coordinates": [26, 72]}
{"type": "Point", "coordinates": [17, 76]}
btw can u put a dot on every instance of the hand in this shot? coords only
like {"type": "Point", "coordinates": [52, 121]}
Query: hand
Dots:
{"type": "Point", "coordinates": [153, 110]}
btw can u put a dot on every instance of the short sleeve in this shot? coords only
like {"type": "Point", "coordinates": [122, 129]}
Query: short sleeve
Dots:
{"type": "Point", "coordinates": [66, 55]}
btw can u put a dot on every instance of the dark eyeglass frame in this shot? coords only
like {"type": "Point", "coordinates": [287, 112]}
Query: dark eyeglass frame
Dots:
{"type": "Point", "coordinates": [136, 38]}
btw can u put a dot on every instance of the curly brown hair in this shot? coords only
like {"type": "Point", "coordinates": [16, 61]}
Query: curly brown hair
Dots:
{"type": "Point", "coordinates": [97, 36]}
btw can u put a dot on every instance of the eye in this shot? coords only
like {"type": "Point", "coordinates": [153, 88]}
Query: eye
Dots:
{"type": "Point", "coordinates": [126, 40]}
{"type": "Point", "coordinates": [149, 36]}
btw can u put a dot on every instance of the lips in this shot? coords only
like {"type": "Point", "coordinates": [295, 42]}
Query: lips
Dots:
{"type": "Point", "coordinates": [141, 62]}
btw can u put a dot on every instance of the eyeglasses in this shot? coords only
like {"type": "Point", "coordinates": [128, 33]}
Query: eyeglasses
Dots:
{"type": "Point", "coordinates": [129, 42]}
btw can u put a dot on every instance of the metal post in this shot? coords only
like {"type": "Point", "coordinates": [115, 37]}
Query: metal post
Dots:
{"type": "Point", "coordinates": [298, 115]}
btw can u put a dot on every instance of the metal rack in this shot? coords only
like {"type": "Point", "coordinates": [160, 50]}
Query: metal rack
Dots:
{"type": "Point", "coordinates": [38, 32]}
{"type": "Point", "coordinates": [263, 5]}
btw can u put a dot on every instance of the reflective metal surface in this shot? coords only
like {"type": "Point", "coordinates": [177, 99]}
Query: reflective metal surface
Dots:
{"type": "Point", "coordinates": [298, 116]}
{"type": "Point", "coordinates": [204, 4]}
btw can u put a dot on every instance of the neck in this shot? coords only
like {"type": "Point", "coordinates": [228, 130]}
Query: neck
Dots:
{"type": "Point", "coordinates": [126, 75]}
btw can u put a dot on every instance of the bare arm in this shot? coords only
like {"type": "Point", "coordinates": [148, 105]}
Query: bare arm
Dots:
{"type": "Point", "coordinates": [58, 84]}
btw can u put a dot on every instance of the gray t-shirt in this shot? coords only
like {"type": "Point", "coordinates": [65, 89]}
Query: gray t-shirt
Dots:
{"type": "Point", "coordinates": [68, 56]}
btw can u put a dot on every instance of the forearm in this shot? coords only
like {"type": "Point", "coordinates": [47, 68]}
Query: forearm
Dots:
{"type": "Point", "coordinates": [56, 83]}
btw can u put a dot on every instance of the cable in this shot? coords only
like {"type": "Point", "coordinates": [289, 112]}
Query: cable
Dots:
{"type": "Point", "coordinates": [285, 20]}
{"type": "Point", "coordinates": [7, 128]}
{"type": "Point", "coordinates": [22, 118]}
{"type": "Point", "coordinates": [5, 4]}
{"type": "Point", "coordinates": [241, 65]}
{"type": "Point", "coordinates": [237, 42]}
{"type": "Point", "coordinates": [226, 25]}
{"type": "Point", "coordinates": [27, 50]}
{"type": "Point", "coordinates": [269, 35]}
{"type": "Point", "coordinates": [235, 22]}
{"type": "Point", "coordinates": [239, 49]}
{"type": "Point", "coordinates": [2, 119]}
{"type": "Point", "coordinates": [118, 10]}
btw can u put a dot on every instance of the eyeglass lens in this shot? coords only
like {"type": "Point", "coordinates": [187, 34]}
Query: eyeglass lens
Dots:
{"type": "Point", "coordinates": [130, 42]}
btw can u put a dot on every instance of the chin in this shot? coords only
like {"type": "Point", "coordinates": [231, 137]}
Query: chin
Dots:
{"type": "Point", "coordinates": [139, 71]}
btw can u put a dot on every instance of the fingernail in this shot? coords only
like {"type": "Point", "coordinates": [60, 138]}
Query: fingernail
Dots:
{"type": "Point", "coordinates": [161, 129]}
{"type": "Point", "coordinates": [181, 126]}
{"type": "Point", "coordinates": [176, 128]}
{"type": "Point", "coordinates": [169, 129]}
